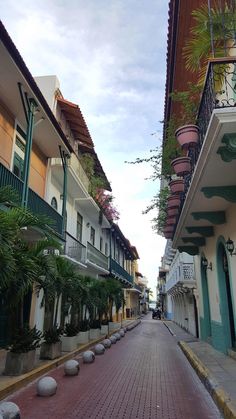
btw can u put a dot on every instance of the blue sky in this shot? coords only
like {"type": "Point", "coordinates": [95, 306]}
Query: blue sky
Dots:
{"type": "Point", "coordinates": [110, 58]}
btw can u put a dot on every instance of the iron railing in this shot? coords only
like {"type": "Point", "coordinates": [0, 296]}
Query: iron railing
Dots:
{"type": "Point", "coordinates": [96, 257]}
{"type": "Point", "coordinates": [74, 249]}
{"type": "Point", "coordinates": [219, 92]}
{"type": "Point", "coordinates": [36, 204]}
{"type": "Point", "coordinates": [118, 270]}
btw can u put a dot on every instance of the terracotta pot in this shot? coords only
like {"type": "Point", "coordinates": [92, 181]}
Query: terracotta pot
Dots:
{"type": "Point", "coordinates": [187, 136]}
{"type": "Point", "coordinates": [177, 186]}
{"type": "Point", "coordinates": [172, 211]}
{"type": "Point", "coordinates": [173, 201]}
{"type": "Point", "coordinates": [168, 235]}
{"type": "Point", "coordinates": [181, 165]}
{"type": "Point", "coordinates": [168, 229]}
{"type": "Point", "coordinates": [171, 221]}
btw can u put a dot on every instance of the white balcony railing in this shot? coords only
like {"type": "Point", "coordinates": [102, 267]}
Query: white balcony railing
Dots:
{"type": "Point", "coordinates": [180, 273]}
{"type": "Point", "coordinates": [74, 249]}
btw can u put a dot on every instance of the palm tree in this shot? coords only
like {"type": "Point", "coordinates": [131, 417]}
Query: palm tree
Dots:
{"type": "Point", "coordinates": [213, 29]}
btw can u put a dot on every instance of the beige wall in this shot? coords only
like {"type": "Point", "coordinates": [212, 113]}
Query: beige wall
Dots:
{"type": "Point", "coordinates": [6, 136]}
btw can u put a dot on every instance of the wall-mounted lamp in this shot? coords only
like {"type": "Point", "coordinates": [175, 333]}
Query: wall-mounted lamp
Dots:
{"type": "Point", "coordinates": [205, 264]}
{"type": "Point", "coordinates": [230, 247]}
{"type": "Point", "coordinates": [87, 225]}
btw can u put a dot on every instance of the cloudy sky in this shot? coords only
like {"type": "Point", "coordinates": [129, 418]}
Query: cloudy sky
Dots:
{"type": "Point", "coordinates": [110, 58]}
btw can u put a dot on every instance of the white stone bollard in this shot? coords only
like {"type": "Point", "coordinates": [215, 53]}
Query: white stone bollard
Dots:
{"type": "Point", "coordinates": [99, 349]}
{"type": "Point", "coordinates": [46, 386]}
{"type": "Point", "coordinates": [122, 333]}
{"type": "Point", "coordinates": [106, 343]}
{"type": "Point", "coordinates": [71, 367]}
{"type": "Point", "coordinates": [88, 357]}
{"type": "Point", "coordinates": [9, 410]}
{"type": "Point", "coordinates": [113, 339]}
{"type": "Point", "coordinates": [117, 335]}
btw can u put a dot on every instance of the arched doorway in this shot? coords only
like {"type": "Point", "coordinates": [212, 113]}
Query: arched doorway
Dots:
{"type": "Point", "coordinates": [206, 322]}
{"type": "Point", "coordinates": [226, 303]}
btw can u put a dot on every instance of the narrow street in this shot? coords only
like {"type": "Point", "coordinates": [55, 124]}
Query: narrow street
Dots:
{"type": "Point", "coordinates": [145, 375]}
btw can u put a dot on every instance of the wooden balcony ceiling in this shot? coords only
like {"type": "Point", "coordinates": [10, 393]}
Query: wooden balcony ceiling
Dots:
{"type": "Point", "coordinates": [47, 133]}
{"type": "Point", "coordinates": [76, 121]}
{"type": "Point", "coordinates": [212, 191]}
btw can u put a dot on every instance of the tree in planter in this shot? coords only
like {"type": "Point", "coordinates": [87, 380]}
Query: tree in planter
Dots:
{"type": "Point", "coordinates": [214, 28]}
{"type": "Point", "coordinates": [115, 296]}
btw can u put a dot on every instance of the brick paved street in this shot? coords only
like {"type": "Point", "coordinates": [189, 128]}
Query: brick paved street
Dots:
{"type": "Point", "coordinates": [145, 375]}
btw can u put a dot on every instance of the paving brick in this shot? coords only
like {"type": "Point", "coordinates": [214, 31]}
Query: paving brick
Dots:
{"type": "Point", "coordinates": [145, 376]}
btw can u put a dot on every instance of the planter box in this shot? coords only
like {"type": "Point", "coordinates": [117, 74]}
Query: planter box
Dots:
{"type": "Point", "coordinates": [114, 326]}
{"type": "Point", "coordinates": [187, 136]}
{"type": "Point", "coordinates": [17, 364]}
{"type": "Point", "coordinates": [83, 337]}
{"type": "Point", "coordinates": [94, 334]}
{"type": "Point", "coordinates": [50, 350]}
{"type": "Point", "coordinates": [181, 165]}
{"type": "Point", "coordinates": [69, 343]}
{"type": "Point", "coordinates": [104, 329]}
{"type": "Point", "coordinates": [176, 186]}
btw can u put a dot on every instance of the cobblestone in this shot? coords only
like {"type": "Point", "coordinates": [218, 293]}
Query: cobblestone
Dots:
{"type": "Point", "coordinates": [144, 376]}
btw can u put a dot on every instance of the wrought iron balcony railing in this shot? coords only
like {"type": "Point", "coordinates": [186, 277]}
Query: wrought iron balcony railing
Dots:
{"type": "Point", "coordinates": [96, 257]}
{"type": "Point", "coordinates": [219, 92]}
{"type": "Point", "coordinates": [36, 204]}
{"type": "Point", "coordinates": [74, 249]}
{"type": "Point", "coordinates": [118, 270]}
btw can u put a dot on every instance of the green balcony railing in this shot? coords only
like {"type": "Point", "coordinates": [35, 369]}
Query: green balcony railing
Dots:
{"type": "Point", "coordinates": [36, 204]}
{"type": "Point", "coordinates": [119, 271]}
{"type": "Point", "coordinates": [96, 257]}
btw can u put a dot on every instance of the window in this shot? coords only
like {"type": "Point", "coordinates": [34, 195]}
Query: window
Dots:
{"type": "Point", "coordinates": [54, 203]}
{"type": "Point", "coordinates": [106, 249]}
{"type": "Point", "coordinates": [79, 226]}
{"type": "Point", "coordinates": [19, 156]}
{"type": "Point", "coordinates": [101, 244]}
{"type": "Point", "coordinates": [92, 235]}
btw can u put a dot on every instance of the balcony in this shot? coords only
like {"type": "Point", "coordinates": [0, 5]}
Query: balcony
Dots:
{"type": "Point", "coordinates": [119, 272]}
{"type": "Point", "coordinates": [97, 259]}
{"type": "Point", "coordinates": [75, 250]}
{"type": "Point", "coordinates": [78, 182]}
{"type": "Point", "coordinates": [208, 194]}
{"type": "Point", "coordinates": [36, 204]}
{"type": "Point", "coordinates": [180, 278]}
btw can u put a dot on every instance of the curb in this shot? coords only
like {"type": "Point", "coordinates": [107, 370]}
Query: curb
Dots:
{"type": "Point", "coordinates": [20, 381]}
{"type": "Point", "coordinates": [168, 327]}
{"type": "Point", "coordinates": [220, 397]}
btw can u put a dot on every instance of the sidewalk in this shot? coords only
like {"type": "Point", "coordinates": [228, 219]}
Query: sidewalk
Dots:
{"type": "Point", "coordinates": [9, 384]}
{"type": "Point", "coordinates": [216, 370]}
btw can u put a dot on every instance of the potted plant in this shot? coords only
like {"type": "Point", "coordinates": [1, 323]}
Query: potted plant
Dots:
{"type": "Point", "coordinates": [69, 338]}
{"type": "Point", "coordinates": [95, 329]}
{"type": "Point", "coordinates": [52, 346]}
{"type": "Point", "coordinates": [172, 211]}
{"type": "Point", "coordinates": [187, 135]}
{"type": "Point", "coordinates": [181, 165]}
{"type": "Point", "coordinates": [173, 201]}
{"type": "Point", "coordinates": [83, 335]}
{"type": "Point", "coordinates": [171, 221]}
{"type": "Point", "coordinates": [22, 350]}
{"type": "Point", "coordinates": [176, 186]}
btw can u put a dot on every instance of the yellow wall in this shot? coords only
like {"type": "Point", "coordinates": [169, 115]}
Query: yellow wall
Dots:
{"type": "Point", "coordinates": [6, 136]}
{"type": "Point", "coordinates": [38, 168]}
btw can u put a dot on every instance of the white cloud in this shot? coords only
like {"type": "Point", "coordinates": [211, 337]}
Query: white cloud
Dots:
{"type": "Point", "coordinates": [110, 57]}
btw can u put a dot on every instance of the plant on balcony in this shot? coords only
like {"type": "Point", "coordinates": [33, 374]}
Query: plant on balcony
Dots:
{"type": "Point", "coordinates": [105, 201]}
{"type": "Point", "coordinates": [95, 182]}
{"type": "Point", "coordinates": [216, 26]}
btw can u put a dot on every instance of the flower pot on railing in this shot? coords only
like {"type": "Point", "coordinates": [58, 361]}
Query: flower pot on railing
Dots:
{"type": "Point", "coordinates": [176, 186]}
{"type": "Point", "coordinates": [172, 211]}
{"type": "Point", "coordinates": [168, 229]}
{"type": "Point", "coordinates": [181, 165]}
{"type": "Point", "coordinates": [170, 221]}
{"type": "Point", "coordinates": [187, 136]}
{"type": "Point", "coordinates": [173, 201]}
{"type": "Point", "coordinates": [168, 235]}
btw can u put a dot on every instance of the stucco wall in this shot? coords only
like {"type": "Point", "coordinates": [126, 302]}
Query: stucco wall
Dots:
{"type": "Point", "coordinates": [6, 136]}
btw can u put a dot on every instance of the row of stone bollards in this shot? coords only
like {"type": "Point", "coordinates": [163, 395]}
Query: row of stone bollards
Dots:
{"type": "Point", "coordinates": [47, 386]}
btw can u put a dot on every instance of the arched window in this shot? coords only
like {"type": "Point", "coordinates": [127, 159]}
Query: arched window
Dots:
{"type": "Point", "coordinates": [54, 203]}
